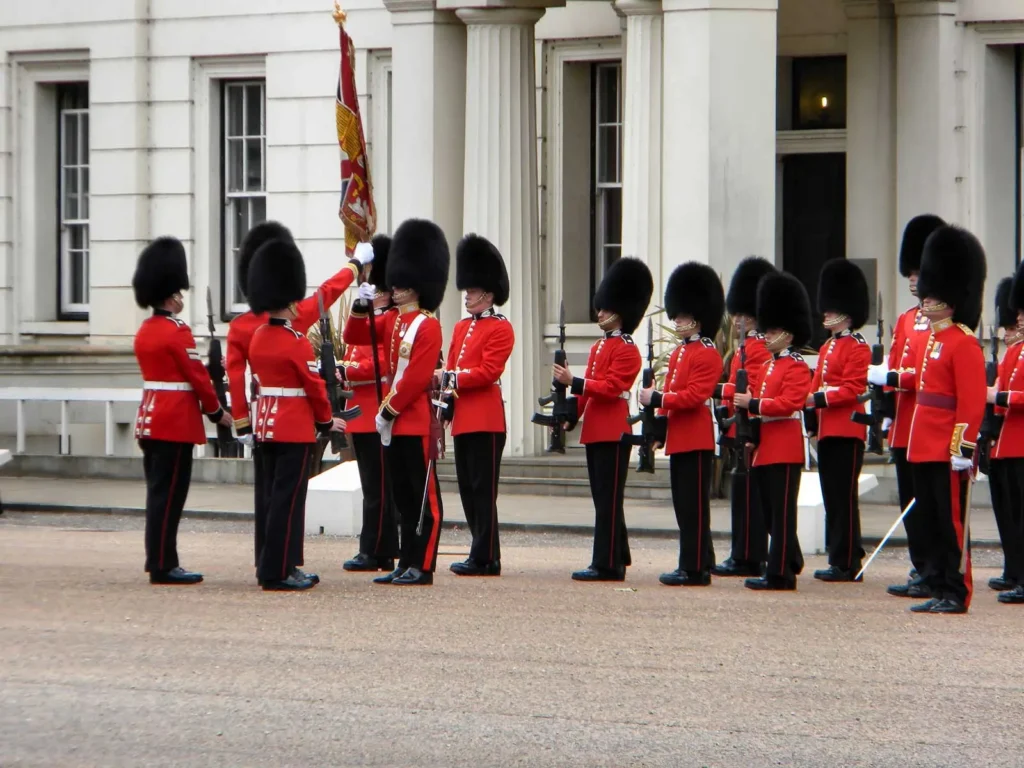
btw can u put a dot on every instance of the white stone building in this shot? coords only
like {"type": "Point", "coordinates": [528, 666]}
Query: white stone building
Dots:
{"type": "Point", "coordinates": [567, 132]}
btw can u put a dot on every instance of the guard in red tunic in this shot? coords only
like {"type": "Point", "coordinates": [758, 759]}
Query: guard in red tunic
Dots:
{"type": "Point", "coordinates": [412, 436]}
{"type": "Point", "coordinates": [1006, 476]}
{"type": "Point", "coordinates": [177, 391]}
{"type": "Point", "coordinates": [780, 392]}
{"type": "Point", "coordinates": [949, 379]}
{"type": "Point", "coordinates": [839, 381]}
{"type": "Point", "coordinates": [291, 409]}
{"type": "Point", "coordinates": [602, 401]}
{"type": "Point", "coordinates": [910, 332]}
{"type": "Point", "coordinates": [749, 535]}
{"type": "Point", "coordinates": [480, 348]}
{"type": "Point", "coordinates": [240, 333]}
{"type": "Point", "coordinates": [695, 302]}
{"type": "Point", "coordinates": [378, 539]}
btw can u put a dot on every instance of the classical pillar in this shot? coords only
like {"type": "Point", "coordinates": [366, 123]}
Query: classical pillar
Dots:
{"type": "Point", "coordinates": [926, 92]}
{"type": "Point", "coordinates": [500, 192]}
{"type": "Point", "coordinates": [871, 231]}
{"type": "Point", "coordinates": [428, 71]}
{"type": "Point", "coordinates": [718, 131]}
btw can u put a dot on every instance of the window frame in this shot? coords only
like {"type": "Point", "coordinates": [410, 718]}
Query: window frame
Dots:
{"type": "Point", "coordinates": [598, 245]}
{"type": "Point", "coordinates": [67, 309]}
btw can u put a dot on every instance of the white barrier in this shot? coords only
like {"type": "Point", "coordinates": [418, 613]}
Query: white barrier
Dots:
{"type": "Point", "coordinates": [810, 526]}
{"type": "Point", "coordinates": [334, 502]}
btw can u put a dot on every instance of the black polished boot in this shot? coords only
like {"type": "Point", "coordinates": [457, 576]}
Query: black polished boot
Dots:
{"type": "Point", "coordinates": [1001, 583]}
{"type": "Point", "coordinates": [414, 577]}
{"type": "Point", "coordinates": [937, 605]}
{"type": "Point", "coordinates": [292, 584]}
{"type": "Point", "coordinates": [471, 567]}
{"type": "Point", "coordinates": [835, 574]}
{"type": "Point", "coordinates": [1014, 596]}
{"type": "Point", "coordinates": [737, 568]}
{"type": "Point", "coordinates": [175, 577]}
{"type": "Point", "coordinates": [771, 584]}
{"type": "Point", "coordinates": [600, 574]}
{"type": "Point", "coordinates": [365, 562]}
{"type": "Point", "coordinates": [387, 578]}
{"type": "Point", "coordinates": [681, 578]}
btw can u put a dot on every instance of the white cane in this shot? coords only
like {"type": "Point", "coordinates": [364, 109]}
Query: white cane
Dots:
{"type": "Point", "coordinates": [885, 538]}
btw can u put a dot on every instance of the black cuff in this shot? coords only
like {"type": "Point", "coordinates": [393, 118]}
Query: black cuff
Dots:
{"type": "Point", "coordinates": [967, 451]}
{"type": "Point", "coordinates": [246, 430]}
{"type": "Point", "coordinates": [1003, 399]}
{"type": "Point", "coordinates": [819, 400]}
{"type": "Point", "coordinates": [215, 417]}
{"type": "Point", "coordinates": [361, 307]}
{"type": "Point", "coordinates": [892, 379]}
{"type": "Point", "coordinates": [719, 391]}
{"type": "Point", "coordinates": [656, 399]}
{"type": "Point", "coordinates": [387, 414]}
{"type": "Point", "coordinates": [577, 386]}
{"type": "Point", "coordinates": [358, 265]}
{"type": "Point", "coordinates": [324, 428]}
{"type": "Point", "coordinates": [755, 407]}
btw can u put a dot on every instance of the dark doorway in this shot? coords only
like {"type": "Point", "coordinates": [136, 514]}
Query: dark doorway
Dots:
{"type": "Point", "coordinates": [813, 219]}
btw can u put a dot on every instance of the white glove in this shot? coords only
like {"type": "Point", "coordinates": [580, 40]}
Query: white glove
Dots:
{"type": "Point", "coordinates": [383, 429]}
{"type": "Point", "coordinates": [246, 439]}
{"type": "Point", "coordinates": [364, 253]}
{"type": "Point", "coordinates": [877, 374]}
{"type": "Point", "coordinates": [960, 464]}
{"type": "Point", "coordinates": [886, 423]}
{"type": "Point", "coordinates": [367, 292]}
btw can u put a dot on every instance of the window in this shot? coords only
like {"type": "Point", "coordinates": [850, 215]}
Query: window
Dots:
{"type": "Point", "coordinates": [606, 169]}
{"type": "Point", "coordinates": [244, 163]}
{"type": "Point", "coordinates": [73, 199]}
{"type": "Point", "coordinates": [819, 93]}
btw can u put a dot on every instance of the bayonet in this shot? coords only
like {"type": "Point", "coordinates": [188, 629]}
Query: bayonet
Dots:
{"type": "Point", "coordinates": [215, 367]}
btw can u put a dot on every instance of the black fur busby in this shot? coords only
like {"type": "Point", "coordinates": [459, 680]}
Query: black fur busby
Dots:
{"type": "Point", "coordinates": [695, 289]}
{"type": "Point", "coordinates": [478, 264]}
{"type": "Point", "coordinates": [953, 270]}
{"type": "Point", "coordinates": [419, 259]}
{"type": "Point", "coordinates": [626, 290]}
{"type": "Point", "coordinates": [1017, 290]}
{"type": "Point", "coordinates": [914, 236]}
{"type": "Point", "coordinates": [742, 296]}
{"type": "Point", "coordinates": [277, 276]}
{"type": "Point", "coordinates": [843, 288]}
{"type": "Point", "coordinates": [782, 302]}
{"type": "Point", "coordinates": [261, 233]}
{"type": "Point", "coordinates": [161, 271]}
{"type": "Point", "coordinates": [379, 266]}
{"type": "Point", "coordinates": [1006, 314]}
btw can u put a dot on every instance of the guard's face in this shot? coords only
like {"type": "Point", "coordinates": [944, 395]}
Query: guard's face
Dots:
{"type": "Point", "coordinates": [1020, 319]}
{"type": "Point", "coordinates": [177, 303]}
{"type": "Point", "coordinates": [913, 283]}
{"type": "Point", "coordinates": [742, 323]}
{"type": "Point", "coordinates": [686, 326]}
{"type": "Point", "coordinates": [776, 339]}
{"type": "Point", "coordinates": [932, 306]}
{"type": "Point", "coordinates": [835, 321]}
{"type": "Point", "coordinates": [478, 300]}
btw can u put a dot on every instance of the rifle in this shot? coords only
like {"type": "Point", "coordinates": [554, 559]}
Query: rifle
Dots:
{"type": "Point", "coordinates": [215, 367]}
{"type": "Point", "coordinates": [654, 429]}
{"type": "Point", "coordinates": [440, 398]}
{"type": "Point", "coordinates": [562, 410]}
{"type": "Point", "coordinates": [329, 373]}
{"type": "Point", "coordinates": [880, 403]}
{"type": "Point", "coordinates": [745, 432]}
{"type": "Point", "coordinates": [992, 422]}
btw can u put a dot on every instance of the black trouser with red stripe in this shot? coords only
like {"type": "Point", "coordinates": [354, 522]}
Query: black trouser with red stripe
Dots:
{"type": "Point", "coordinates": [942, 500]}
{"type": "Point", "coordinates": [285, 479]}
{"type": "Point", "coordinates": [779, 486]}
{"type": "Point", "coordinates": [1006, 484]}
{"type": "Point", "coordinates": [168, 468]}
{"type": "Point", "coordinates": [916, 525]}
{"type": "Point", "coordinates": [259, 502]}
{"type": "Point", "coordinates": [478, 467]}
{"type": "Point", "coordinates": [749, 536]}
{"type": "Point", "coordinates": [839, 463]}
{"type": "Point", "coordinates": [690, 475]}
{"type": "Point", "coordinates": [379, 536]}
{"type": "Point", "coordinates": [607, 465]}
{"type": "Point", "coordinates": [406, 459]}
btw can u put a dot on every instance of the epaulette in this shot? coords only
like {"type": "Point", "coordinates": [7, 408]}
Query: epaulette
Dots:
{"type": "Point", "coordinates": [178, 322]}
{"type": "Point", "coordinates": [427, 312]}
{"type": "Point", "coordinates": [707, 342]}
{"type": "Point", "coordinates": [965, 329]}
{"type": "Point", "coordinates": [627, 338]}
{"type": "Point", "coordinates": [297, 334]}
{"type": "Point", "coordinates": [496, 316]}
{"type": "Point", "coordinates": [798, 357]}
{"type": "Point", "coordinates": [859, 337]}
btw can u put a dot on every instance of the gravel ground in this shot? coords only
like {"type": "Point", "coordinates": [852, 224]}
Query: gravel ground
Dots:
{"type": "Point", "coordinates": [100, 669]}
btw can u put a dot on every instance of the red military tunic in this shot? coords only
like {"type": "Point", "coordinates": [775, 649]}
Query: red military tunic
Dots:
{"type": "Point", "coordinates": [292, 396]}
{"type": "Point", "coordinates": [410, 366]}
{"type": "Point", "coordinates": [242, 328]}
{"type": "Point", "coordinates": [949, 379]}
{"type": "Point", "coordinates": [480, 348]}
{"type": "Point", "coordinates": [782, 386]}
{"type": "Point", "coordinates": [840, 378]}
{"type": "Point", "coordinates": [1010, 401]}
{"type": "Point", "coordinates": [694, 369]}
{"type": "Point", "coordinates": [175, 383]}
{"type": "Point", "coordinates": [912, 329]}
{"type": "Point", "coordinates": [603, 395]}
{"type": "Point", "coordinates": [360, 377]}
{"type": "Point", "coordinates": [757, 354]}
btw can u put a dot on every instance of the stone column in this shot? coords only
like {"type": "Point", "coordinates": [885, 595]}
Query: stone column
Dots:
{"type": "Point", "coordinates": [871, 230]}
{"type": "Point", "coordinates": [718, 131]}
{"type": "Point", "coordinates": [428, 70]}
{"type": "Point", "coordinates": [500, 190]}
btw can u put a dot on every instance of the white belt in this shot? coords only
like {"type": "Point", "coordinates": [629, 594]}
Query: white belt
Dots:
{"type": "Point", "coordinates": [625, 395]}
{"type": "Point", "coordinates": [167, 386]}
{"type": "Point", "coordinates": [282, 392]}
{"type": "Point", "coordinates": [768, 419]}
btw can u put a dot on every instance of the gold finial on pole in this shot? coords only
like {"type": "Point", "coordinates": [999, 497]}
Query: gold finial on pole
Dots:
{"type": "Point", "coordinates": [339, 15]}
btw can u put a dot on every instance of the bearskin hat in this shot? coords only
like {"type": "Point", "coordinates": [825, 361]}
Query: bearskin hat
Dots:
{"type": "Point", "coordinates": [782, 302]}
{"type": "Point", "coordinates": [419, 260]}
{"type": "Point", "coordinates": [161, 271]}
{"type": "Point", "coordinates": [478, 264]}
{"type": "Point", "coordinates": [1017, 290]}
{"type": "Point", "coordinates": [695, 289]}
{"type": "Point", "coordinates": [742, 296]}
{"type": "Point", "coordinates": [379, 266]}
{"type": "Point", "coordinates": [953, 270]}
{"type": "Point", "coordinates": [626, 290]}
{"type": "Point", "coordinates": [843, 288]}
{"type": "Point", "coordinates": [277, 276]}
{"type": "Point", "coordinates": [914, 236]}
{"type": "Point", "coordinates": [259, 234]}
{"type": "Point", "coordinates": [1006, 314]}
